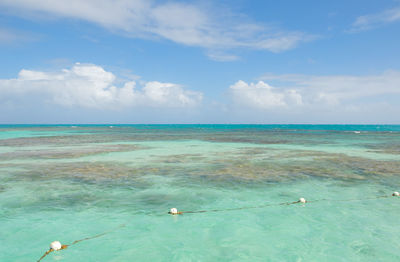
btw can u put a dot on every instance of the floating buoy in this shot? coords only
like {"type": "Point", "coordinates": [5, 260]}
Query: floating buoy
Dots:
{"type": "Point", "coordinates": [302, 200]}
{"type": "Point", "coordinates": [55, 245]}
{"type": "Point", "coordinates": [173, 211]}
{"type": "Point", "coordinates": [396, 194]}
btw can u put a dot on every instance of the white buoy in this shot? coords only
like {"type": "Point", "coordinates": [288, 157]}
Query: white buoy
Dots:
{"type": "Point", "coordinates": [55, 245]}
{"type": "Point", "coordinates": [173, 211]}
{"type": "Point", "coordinates": [302, 200]}
{"type": "Point", "coordinates": [396, 194]}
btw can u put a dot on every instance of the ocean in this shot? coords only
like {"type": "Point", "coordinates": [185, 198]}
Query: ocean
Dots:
{"type": "Point", "coordinates": [72, 182]}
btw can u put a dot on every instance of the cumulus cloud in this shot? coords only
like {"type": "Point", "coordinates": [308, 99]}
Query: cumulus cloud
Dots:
{"type": "Point", "coordinates": [339, 89]}
{"type": "Point", "coordinates": [371, 21]}
{"type": "Point", "coordinates": [90, 86]}
{"type": "Point", "coordinates": [261, 95]}
{"type": "Point", "coordinates": [296, 98]}
{"type": "Point", "coordinates": [183, 23]}
{"type": "Point", "coordinates": [317, 92]}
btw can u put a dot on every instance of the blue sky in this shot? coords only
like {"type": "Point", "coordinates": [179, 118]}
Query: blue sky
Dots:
{"type": "Point", "coordinates": [237, 61]}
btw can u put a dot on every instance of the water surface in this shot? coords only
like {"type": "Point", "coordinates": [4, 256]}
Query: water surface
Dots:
{"type": "Point", "coordinates": [70, 182]}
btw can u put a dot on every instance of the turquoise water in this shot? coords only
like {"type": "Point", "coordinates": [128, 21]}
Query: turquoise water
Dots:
{"type": "Point", "coordinates": [71, 182]}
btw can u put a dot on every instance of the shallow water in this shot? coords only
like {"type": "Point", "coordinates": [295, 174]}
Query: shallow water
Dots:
{"type": "Point", "coordinates": [70, 182]}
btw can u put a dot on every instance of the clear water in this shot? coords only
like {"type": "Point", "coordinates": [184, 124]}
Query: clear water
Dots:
{"type": "Point", "coordinates": [70, 182]}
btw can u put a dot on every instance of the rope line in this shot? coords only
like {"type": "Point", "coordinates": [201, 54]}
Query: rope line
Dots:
{"type": "Point", "coordinates": [61, 247]}
{"type": "Point", "coordinates": [238, 208]}
{"type": "Point", "coordinates": [96, 236]}
{"type": "Point", "coordinates": [278, 204]}
{"type": "Point", "coordinates": [56, 245]}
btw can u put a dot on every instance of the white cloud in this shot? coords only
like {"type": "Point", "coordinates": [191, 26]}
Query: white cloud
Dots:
{"type": "Point", "coordinates": [367, 22]}
{"type": "Point", "coordinates": [264, 96]}
{"type": "Point", "coordinates": [339, 89]}
{"type": "Point", "coordinates": [294, 92]}
{"type": "Point", "coordinates": [189, 24]}
{"type": "Point", "coordinates": [317, 99]}
{"type": "Point", "coordinates": [171, 95]}
{"type": "Point", "coordinates": [90, 86]}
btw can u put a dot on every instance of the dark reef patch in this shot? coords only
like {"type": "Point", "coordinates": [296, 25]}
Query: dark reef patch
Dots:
{"type": "Point", "coordinates": [62, 152]}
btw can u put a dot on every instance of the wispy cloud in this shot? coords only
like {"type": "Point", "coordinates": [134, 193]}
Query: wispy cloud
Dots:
{"type": "Point", "coordinates": [8, 36]}
{"type": "Point", "coordinates": [371, 21]}
{"type": "Point", "coordinates": [90, 86]}
{"type": "Point", "coordinates": [183, 23]}
{"type": "Point", "coordinates": [221, 57]}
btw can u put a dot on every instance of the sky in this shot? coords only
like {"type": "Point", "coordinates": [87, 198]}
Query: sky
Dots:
{"type": "Point", "coordinates": [190, 62]}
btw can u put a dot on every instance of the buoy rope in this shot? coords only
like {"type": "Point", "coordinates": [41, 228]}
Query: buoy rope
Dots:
{"type": "Point", "coordinates": [45, 254]}
{"type": "Point", "coordinates": [174, 211]}
{"type": "Point", "coordinates": [281, 204]}
{"type": "Point", "coordinates": [96, 236]}
{"type": "Point", "coordinates": [238, 208]}
{"type": "Point", "coordinates": [80, 240]}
